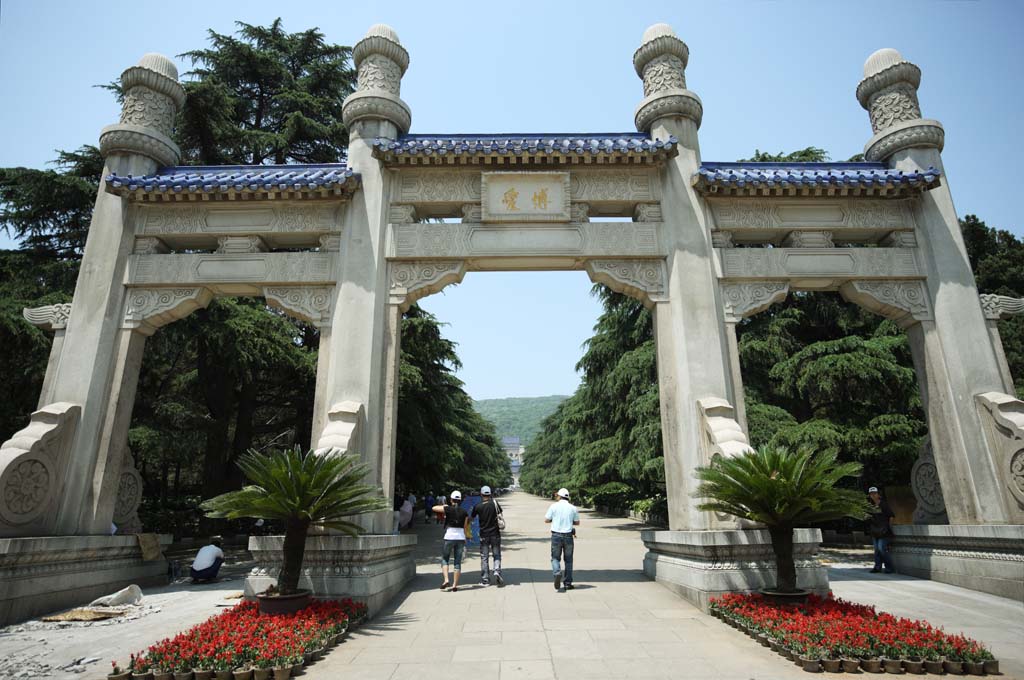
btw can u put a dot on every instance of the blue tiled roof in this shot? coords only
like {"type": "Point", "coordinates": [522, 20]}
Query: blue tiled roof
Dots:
{"type": "Point", "coordinates": [524, 145]}
{"type": "Point", "coordinates": [221, 179]}
{"type": "Point", "coordinates": [755, 177]}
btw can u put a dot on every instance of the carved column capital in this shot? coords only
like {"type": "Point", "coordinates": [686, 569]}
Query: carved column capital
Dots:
{"type": "Point", "coordinates": [380, 62]}
{"type": "Point", "coordinates": [410, 281]}
{"type": "Point", "coordinates": [740, 300]}
{"type": "Point", "coordinates": [152, 98]}
{"type": "Point", "coordinates": [889, 94]}
{"type": "Point", "coordinates": [50, 317]}
{"type": "Point", "coordinates": [311, 304]}
{"type": "Point", "coordinates": [643, 279]}
{"type": "Point", "coordinates": [905, 302]}
{"type": "Point", "coordinates": [998, 307]}
{"type": "Point", "coordinates": [147, 309]}
{"type": "Point", "coordinates": [661, 62]}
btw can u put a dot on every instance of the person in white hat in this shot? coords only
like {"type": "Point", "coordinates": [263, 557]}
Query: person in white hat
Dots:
{"type": "Point", "coordinates": [489, 513]}
{"type": "Point", "coordinates": [456, 531]}
{"type": "Point", "coordinates": [881, 531]}
{"type": "Point", "coordinates": [562, 516]}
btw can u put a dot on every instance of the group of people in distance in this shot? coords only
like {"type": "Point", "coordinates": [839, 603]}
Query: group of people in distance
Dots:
{"type": "Point", "coordinates": [458, 529]}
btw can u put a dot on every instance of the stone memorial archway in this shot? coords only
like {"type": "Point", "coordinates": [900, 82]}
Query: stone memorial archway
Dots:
{"type": "Point", "coordinates": [349, 247]}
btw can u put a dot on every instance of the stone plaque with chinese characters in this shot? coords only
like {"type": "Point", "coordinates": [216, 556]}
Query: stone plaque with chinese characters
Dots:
{"type": "Point", "coordinates": [525, 196]}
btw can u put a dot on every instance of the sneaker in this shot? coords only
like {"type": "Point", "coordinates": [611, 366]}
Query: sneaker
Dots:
{"type": "Point", "coordinates": [558, 581]}
{"type": "Point", "coordinates": [569, 586]}
{"type": "Point", "coordinates": [484, 583]}
{"type": "Point", "coordinates": [499, 580]}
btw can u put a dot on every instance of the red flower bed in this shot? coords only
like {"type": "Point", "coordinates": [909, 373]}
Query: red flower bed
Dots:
{"type": "Point", "coordinates": [242, 637]}
{"type": "Point", "coordinates": [830, 628]}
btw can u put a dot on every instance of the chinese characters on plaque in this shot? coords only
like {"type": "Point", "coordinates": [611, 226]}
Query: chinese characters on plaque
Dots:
{"type": "Point", "coordinates": [525, 196]}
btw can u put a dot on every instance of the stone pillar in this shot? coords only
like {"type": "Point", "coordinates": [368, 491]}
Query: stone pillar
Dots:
{"type": "Point", "coordinates": [997, 308]}
{"type": "Point", "coordinates": [955, 357]}
{"type": "Point", "coordinates": [50, 318]}
{"type": "Point", "coordinates": [703, 554]}
{"type": "Point", "coordinates": [352, 402]}
{"type": "Point", "coordinates": [974, 426]}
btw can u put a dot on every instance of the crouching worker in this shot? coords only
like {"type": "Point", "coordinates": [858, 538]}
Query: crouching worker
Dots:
{"type": "Point", "coordinates": [207, 562]}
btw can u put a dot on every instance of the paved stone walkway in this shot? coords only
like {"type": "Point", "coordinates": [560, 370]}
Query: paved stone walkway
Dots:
{"type": "Point", "coordinates": [615, 624]}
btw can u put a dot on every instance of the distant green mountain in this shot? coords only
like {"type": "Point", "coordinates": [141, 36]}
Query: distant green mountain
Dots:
{"type": "Point", "coordinates": [518, 416]}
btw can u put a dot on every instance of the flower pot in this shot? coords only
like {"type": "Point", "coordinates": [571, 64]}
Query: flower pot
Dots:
{"type": "Point", "coordinates": [284, 604]}
{"type": "Point", "coordinates": [892, 665]}
{"type": "Point", "coordinates": [124, 675]}
{"type": "Point", "coordinates": [182, 675]}
{"type": "Point", "coordinates": [201, 674]}
{"type": "Point", "coordinates": [871, 665]}
{"type": "Point", "coordinates": [794, 598]}
{"type": "Point", "coordinates": [810, 665]}
{"type": "Point", "coordinates": [974, 667]}
{"type": "Point", "coordinates": [763, 639]}
{"type": "Point", "coordinates": [296, 668]}
{"type": "Point", "coordinates": [159, 674]}
{"type": "Point", "coordinates": [142, 675]}
{"type": "Point", "coordinates": [991, 666]}
{"type": "Point", "coordinates": [774, 645]}
{"type": "Point", "coordinates": [915, 666]}
{"type": "Point", "coordinates": [935, 667]}
{"type": "Point", "coordinates": [953, 667]}
{"type": "Point", "coordinates": [282, 672]}
{"type": "Point", "coordinates": [850, 665]}
{"type": "Point", "coordinates": [831, 665]}
{"type": "Point", "coordinates": [241, 674]}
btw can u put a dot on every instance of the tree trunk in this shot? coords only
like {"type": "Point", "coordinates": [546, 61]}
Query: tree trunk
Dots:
{"type": "Point", "coordinates": [217, 391]}
{"type": "Point", "coordinates": [782, 545]}
{"type": "Point", "coordinates": [245, 413]}
{"type": "Point", "coordinates": [294, 550]}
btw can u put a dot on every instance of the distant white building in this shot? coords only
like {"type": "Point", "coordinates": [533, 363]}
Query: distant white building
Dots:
{"type": "Point", "coordinates": [514, 450]}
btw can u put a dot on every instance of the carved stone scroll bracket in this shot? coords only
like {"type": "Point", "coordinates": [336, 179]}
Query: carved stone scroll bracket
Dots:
{"type": "Point", "coordinates": [150, 245]}
{"type": "Point", "coordinates": [32, 464]}
{"type": "Point", "coordinates": [50, 317]}
{"type": "Point", "coordinates": [740, 300]}
{"type": "Point", "coordinates": [344, 428]}
{"type": "Point", "coordinates": [472, 213]}
{"type": "Point", "coordinates": [129, 497]}
{"type": "Point", "coordinates": [405, 214]}
{"type": "Point", "coordinates": [723, 435]}
{"type": "Point", "coordinates": [150, 308]}
{"type": "Point", "coordinates": [410, 281]}
{"type": "Point", "coordinates": [808, 239]}
{"type": "Point", "coordinates": [998, 307]}
{"type": "Point", "coordinates": [645, 280]}
{"type": "Point", "coordinates": [1003, 418]}
{"type": "Point", "coordinates": [579, 212]}
{"type": "Point", "coordinates": [311, 304]}
{"type": "Point", "coordinates": [924, 482]}
{"type": "Point", "coordinates": [241, 244]}
{"type": "Point", "coordinates": [905, 302]}
{"type": "Point", "coordinates": [648, 212]}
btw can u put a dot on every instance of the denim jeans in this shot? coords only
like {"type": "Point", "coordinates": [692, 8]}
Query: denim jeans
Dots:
{"type": "Point", "coordinates": [490, 545]}
{"type": "Point", "coordinates": [456, 547]}
{"type": "Point", "coordinates": [562, 544]}
{"type": "Point", "coordinates": [882, 553]}
{"type": "Point", "coordinates": [209, 573]}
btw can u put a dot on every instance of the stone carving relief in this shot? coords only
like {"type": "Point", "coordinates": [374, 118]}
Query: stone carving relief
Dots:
{"type": "Point", "coordinates": [722, 239]}
{"type": "Point", "coordinates": [924, 481]}
{"type": "Point", "coordinates": [144, 107]}
{"type": "Point", "coordinates": [1003, 418]}
{"type": "Point", "coordinates": [472, 213]}
{"type": "Point", "coordinates": [377, 72]}
{"type": "Point", "coordinates": [740, 300]}
{"type": "Point", "coordinates": [647, 212]}
{"type": "Point", "coordinates": [330, 243]}
{"type": "Point", "coordinates": [432, 239]}
{"type": "Point", "coordinates": [439, 186]}
{"type": "Point", "coordinates": [150, 245]}
{"type": "Point", "coordinates": [901, 301]}
{"type": "Point", "coordinates": [50, 317]}
{"type": "Point", "coordinates": [644, 280]}
{"type": "Point", "coordinates": [667, 72]}
{"type": "Point", "coordinates": [410, 281]}
{"type": "Point", "coordinates": [129, 497]}
{"type": "Point", "coordinates": [307, 303]}
{"type": "Point", "coordinates": [241, 244]}
{"type": "Point", "coordinates": [189, 219]}
{"type": "Point", "coordinates": [746, 214]}
{"type": "Point", "coordinates": [579, 212]}
{"type": "Point", "coordinates": [894, 104]}
{"type": "Point", "coordinates": [869, 213]}
{"type": "Point", "coordinates": [904, 136]}
{"type": "Point", "coordinates": [32, 463]}
{"type": "Point", "coordinates": [150, 308]}
{"type": "Point", "coordinates": [723, 436]}
{"type": "Point", "coordinates": [344, 426]}
{"type": "Point", "coordinates": [404, 214]}
{"type": "Point", "coordinates": [185, 220]}
{"type": "Point", "coordinates": [615, 185]}
{"type": "Point", "coordinates": [899, 239]}
{"type": "Point", "coordinates": [998, 307]}
{"type": "Point", "coordinates": [620, 238]}
{"type": "Point", "coordinates": [297, 218]}
{"type": "Point", "coordinates": [193, 268]}
{"type": "Point", "coordinates": [847, 263]}
{"type": "Point", "coordinates": [808, 239]}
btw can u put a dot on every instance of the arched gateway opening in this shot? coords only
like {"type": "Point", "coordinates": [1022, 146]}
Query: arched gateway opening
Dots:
{"type": "Point", "coordinates": [348, 248]}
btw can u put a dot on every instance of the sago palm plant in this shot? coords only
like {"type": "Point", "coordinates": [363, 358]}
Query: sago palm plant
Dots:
{"type": "Point", "coordinates": [301, 489]}
{"type": "Point", "coordinates": [782, 490]}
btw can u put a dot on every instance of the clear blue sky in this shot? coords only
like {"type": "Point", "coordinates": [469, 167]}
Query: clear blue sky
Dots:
{"type": "Point", "coordinates": [772, 75]}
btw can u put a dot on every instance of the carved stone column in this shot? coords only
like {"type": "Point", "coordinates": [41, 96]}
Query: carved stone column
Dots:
{"type": "Point", "coordinates": [997, 308]}
{"type": "Point", "coordinates": [50, 318]}
{"type": "Point", "coordinates": [953, 352]}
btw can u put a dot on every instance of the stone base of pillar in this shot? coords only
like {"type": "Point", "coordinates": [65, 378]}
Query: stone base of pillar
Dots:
{"type": "Point", "coordinates": [700, 565]}
{"type": "Point", "coordinates": [40, 575]}
{"type": "Point", "coordinates": [369, 568]}
{"type": "Point", "coordinates": [987, 558]}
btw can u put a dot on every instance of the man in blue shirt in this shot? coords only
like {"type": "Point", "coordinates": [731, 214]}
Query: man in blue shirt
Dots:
{"type": "Point", "coordinates": [562, 516]}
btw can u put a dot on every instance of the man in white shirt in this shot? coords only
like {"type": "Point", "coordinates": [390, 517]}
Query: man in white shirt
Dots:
{"type": "Point", "coordinates": [207, 562]}
{"type": "Point", "coordinates": [562, 516]}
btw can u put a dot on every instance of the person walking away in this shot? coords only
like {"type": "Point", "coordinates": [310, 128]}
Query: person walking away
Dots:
{"type": "Point", "coordinates": [562, 516]}
{"type": "Point", "coordinates": [428, 505]}
{"type": "Point", "coordinates": [488, 511]}
{"type": "Point", "coordinates": [881, 531]}
{"type": "Point", "coordinates": [207, 562]}
{"type": "Point", "coordinates": [405, 514]}
{"type": "Point", "coordinates": [456, 532]}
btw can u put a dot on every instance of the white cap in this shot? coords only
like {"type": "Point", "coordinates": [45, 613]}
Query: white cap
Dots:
{"type": "Point", "coordinates": [485, 491]}
{"type": "Point", "coordinates": [456, 495]}
{"type": "Point", "coordinates": [563, 492]}
{"type": "Point", "coordinates": [873, 489]}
